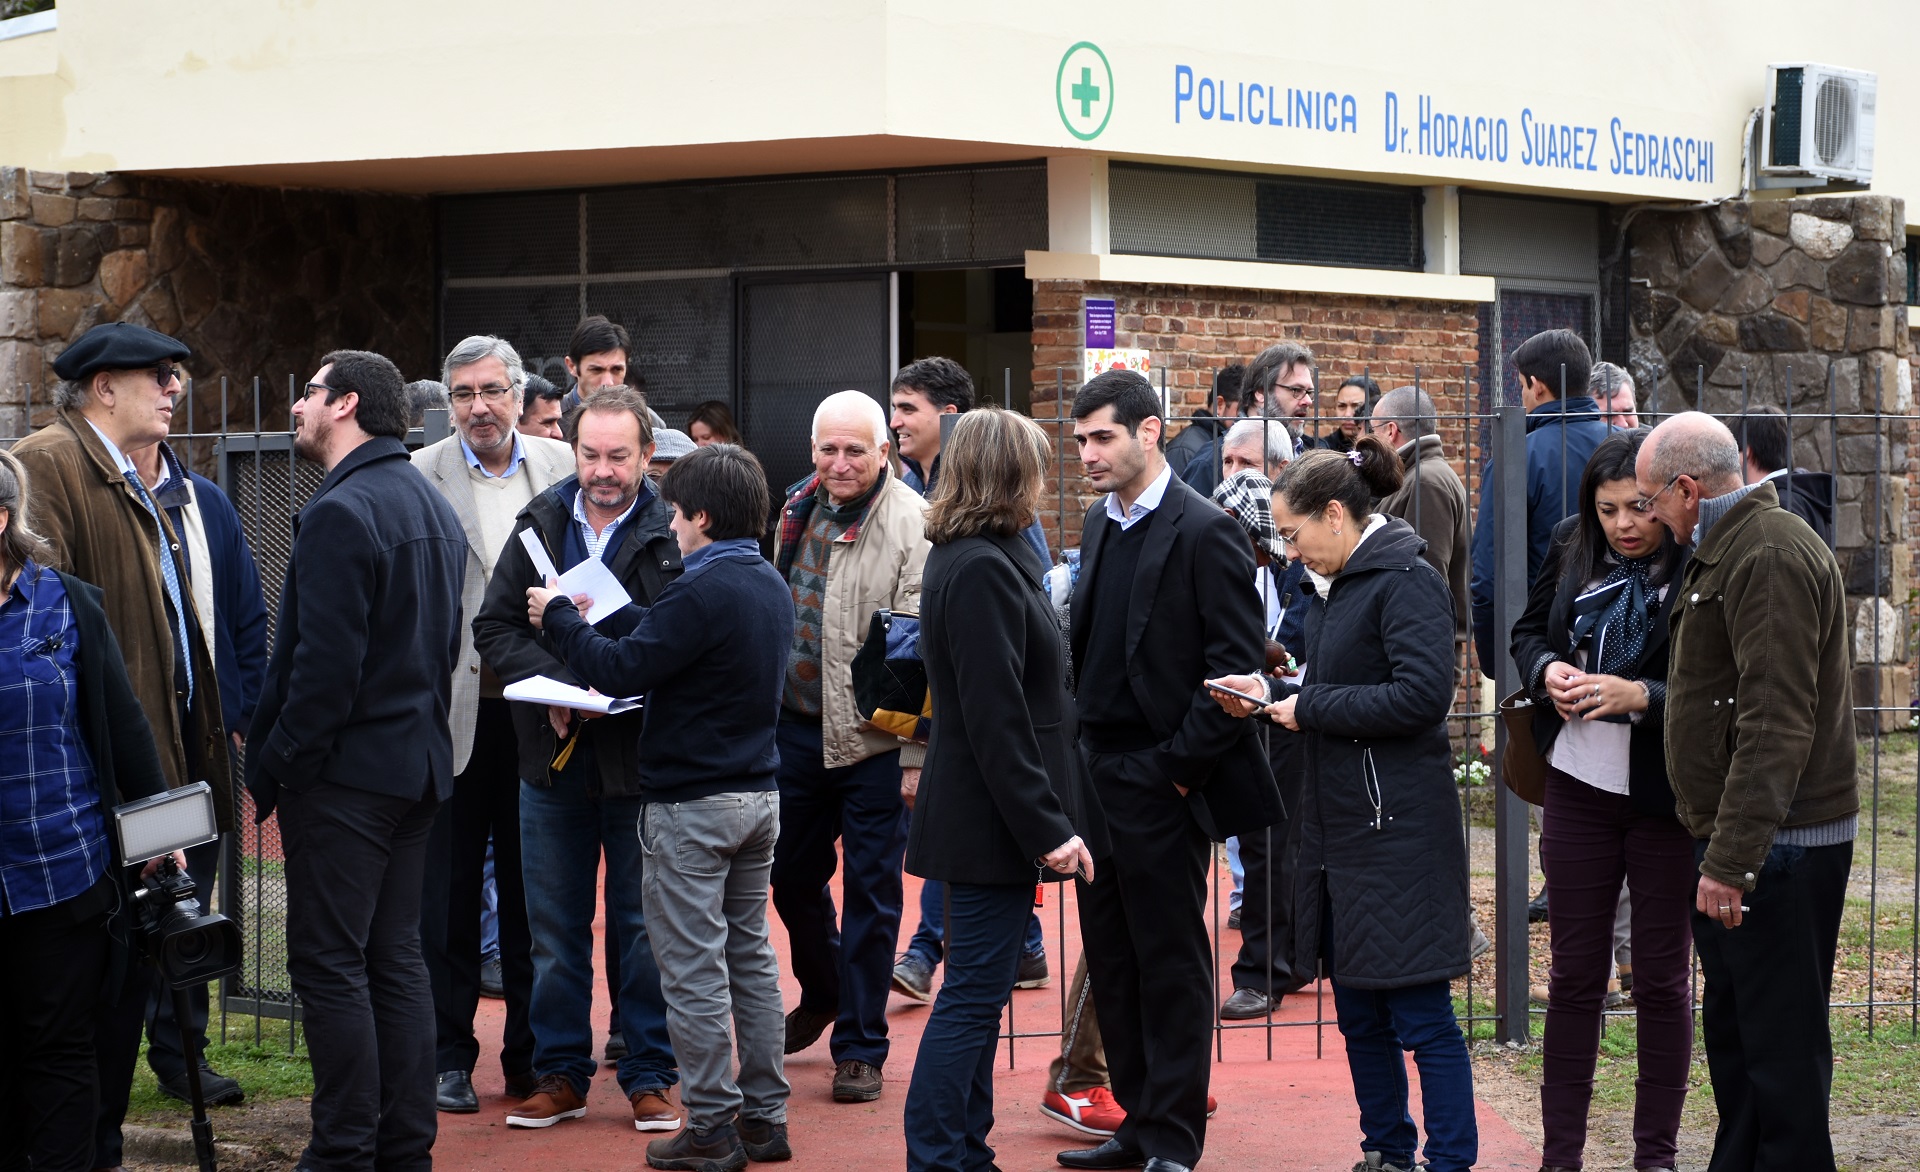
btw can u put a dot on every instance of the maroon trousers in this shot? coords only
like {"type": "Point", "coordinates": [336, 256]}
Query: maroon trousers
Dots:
{"type": "Point", "coordinates": [1590, 840]}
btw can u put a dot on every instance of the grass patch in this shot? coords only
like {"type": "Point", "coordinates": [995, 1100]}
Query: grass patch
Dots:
{"type": "Point", "coordinates": [1481, 1005]}
{"type": "Point", "coordinates": [1877, 1075]}
{"type": "Point", "coordinates": [266, 1071]}
{"type": "Point", "coordinates": [1890, 806]}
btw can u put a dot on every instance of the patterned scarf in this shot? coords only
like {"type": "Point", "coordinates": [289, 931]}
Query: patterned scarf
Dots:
{"type": "Point", "coordinates": [807, 495]}
{"type": "Point", "coordinates": [1617, 616]}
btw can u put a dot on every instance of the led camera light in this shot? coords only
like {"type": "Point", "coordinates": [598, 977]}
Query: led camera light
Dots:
{"type": "Point", "coordinates": [174, 821]}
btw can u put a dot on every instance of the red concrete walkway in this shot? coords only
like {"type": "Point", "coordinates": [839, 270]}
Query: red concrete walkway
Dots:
{"type": "Point", "coordinates": [1294, 1111]}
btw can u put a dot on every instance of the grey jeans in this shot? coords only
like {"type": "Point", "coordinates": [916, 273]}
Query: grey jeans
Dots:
{"type": "Point", "coordinates": [704, 891]}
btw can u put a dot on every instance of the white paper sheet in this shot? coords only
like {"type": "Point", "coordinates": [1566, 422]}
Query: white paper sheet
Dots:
{"type": "Point", "coordinates": [546, 690]}
{"type": "Point", "coordinates": [591, 578]}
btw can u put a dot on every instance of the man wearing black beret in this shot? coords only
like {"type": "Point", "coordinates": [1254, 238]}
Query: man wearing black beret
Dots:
{"type": "Point", "coordinates": [118, 385]}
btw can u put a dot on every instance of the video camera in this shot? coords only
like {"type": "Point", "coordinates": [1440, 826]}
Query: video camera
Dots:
{"type": "Point", "coordinates": [189, 946]}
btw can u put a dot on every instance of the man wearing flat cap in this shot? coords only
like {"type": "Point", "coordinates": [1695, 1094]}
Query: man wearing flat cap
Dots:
{"type": "Point", "coordinates": [116, 395]}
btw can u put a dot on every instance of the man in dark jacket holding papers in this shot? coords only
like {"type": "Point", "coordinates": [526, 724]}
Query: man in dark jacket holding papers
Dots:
{"type": "Point", "coordinates": [711, 657]}
{"type": "Point", "coordinates": [581, 776]}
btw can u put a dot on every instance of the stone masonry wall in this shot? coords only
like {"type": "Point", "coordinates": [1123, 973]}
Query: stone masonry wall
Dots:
{"type": "Point", "coordinates": [258, 281]}
{"type": "Point", "coordinates": [1193, 332]}
{"type": "Point", "coordinates": [1799, 304]}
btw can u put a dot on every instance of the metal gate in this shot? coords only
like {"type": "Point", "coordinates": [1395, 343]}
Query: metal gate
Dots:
{"type": "Point", "coordinates": [239, 435]}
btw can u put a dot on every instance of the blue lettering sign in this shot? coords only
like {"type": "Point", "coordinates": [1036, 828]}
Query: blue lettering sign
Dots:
{"type": "Point", "coordinates": [1183, 89]}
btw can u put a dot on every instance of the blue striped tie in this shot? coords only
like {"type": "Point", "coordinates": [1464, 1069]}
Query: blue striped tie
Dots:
{"type": "Point", "coordinates": [171, 574]}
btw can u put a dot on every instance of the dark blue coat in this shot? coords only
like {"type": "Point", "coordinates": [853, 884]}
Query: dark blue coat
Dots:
{"type": "Point", "coordinates": [239, 610]}
{"type": "Point", "coordinates": [710, 655]}
{"type": "Point", "coordinates": [361, 681]}
{"type": "Point", "coordinates": [1561, 437]}
{"type": "Point", "coordinates": [1373, 713]}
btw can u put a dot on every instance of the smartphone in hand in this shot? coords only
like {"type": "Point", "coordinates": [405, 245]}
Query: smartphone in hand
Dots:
{"type": "Point", "coordinates": [1261, 701]}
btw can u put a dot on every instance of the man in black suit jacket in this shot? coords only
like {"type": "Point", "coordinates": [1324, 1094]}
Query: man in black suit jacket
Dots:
{"type": "Point", "coordinates": [351, 742]}
{"type": "Point", "coordinates": [1165, 601]}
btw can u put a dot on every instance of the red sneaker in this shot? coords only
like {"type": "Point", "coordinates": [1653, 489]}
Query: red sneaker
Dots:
{"type": "Point", "coordinates": [1095, 1113]}
{"type": "Point", "coordinates": [1213, 1106]}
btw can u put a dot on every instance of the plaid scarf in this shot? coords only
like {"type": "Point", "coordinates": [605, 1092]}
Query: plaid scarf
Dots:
{"type": "Point", "coordinates": [798, 511]}
{"type": "Point", "coordinates": [1247, 497]}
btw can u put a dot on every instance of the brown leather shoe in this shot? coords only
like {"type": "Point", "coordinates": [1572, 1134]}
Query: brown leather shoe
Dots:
{"type": "Point", "coordinates": [553, 1099]}
{"type": "Point", "coordinates": [855, 1081]}
{"type": "Point", "coordinates": [653, 1110]}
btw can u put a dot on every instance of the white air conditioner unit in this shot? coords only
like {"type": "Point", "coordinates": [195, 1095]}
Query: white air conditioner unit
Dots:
{"type": "Point", "coordinates": [1818, 122]}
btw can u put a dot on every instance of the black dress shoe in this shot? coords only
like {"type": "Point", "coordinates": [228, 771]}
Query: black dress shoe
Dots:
{"type": "Point", "coordinates": [454, 1093]}
{"type": "Point", "coordinates": [1247, 1003]}
{"type": "Point", "coordinates": [216, 1089]}
{"type": "Point", "coordinates": [1112, 1154]}
{"type": "Point", "coordinates": [1162, 1164]}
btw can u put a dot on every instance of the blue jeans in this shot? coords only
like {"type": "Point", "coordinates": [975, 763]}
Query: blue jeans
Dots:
{"type": "Point", "coordinates": [927, 941]}
{"type": "Point", "coordinates": [563, 829]}
{"type": "Point", "coordinates": [1378, 1025]}
{"type": "Point", "coordinates": [845, 969]}
{"type": "Point", "coordinates": [1238, 870]}
{"type": "Point", "coordinates": [949, 1109]}
{"type": "Point", "coordinates": [489, 910]}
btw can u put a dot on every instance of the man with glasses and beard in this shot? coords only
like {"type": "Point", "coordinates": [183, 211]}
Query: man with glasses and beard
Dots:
{"type": "Point", "coordinates": [580, 791]}
{"type": "Point", "coordinates": [1279, 386]}
{"type": "Point", "coordinates": [117, 395]}
{"type": "Point", "coordinates": [488, 471]}
{"type": "Point", "coordinates": [350, 742]}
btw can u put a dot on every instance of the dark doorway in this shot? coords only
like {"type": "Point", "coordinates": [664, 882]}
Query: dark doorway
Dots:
{"type": "Point", "coordinates": [980, 318]}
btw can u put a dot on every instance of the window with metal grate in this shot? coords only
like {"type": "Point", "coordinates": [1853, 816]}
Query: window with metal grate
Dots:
{"type": "Point", "coordinates": [1167, 211]}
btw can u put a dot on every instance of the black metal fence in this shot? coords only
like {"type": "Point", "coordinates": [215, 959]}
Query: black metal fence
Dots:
{"type": "Point", "coordinates": [240, 436]}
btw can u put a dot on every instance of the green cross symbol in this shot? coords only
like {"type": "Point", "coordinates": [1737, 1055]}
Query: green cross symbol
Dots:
{"type": "Point", "coordinates": [1085, 92]}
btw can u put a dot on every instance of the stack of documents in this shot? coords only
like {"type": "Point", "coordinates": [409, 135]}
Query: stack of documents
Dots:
{"type": "Point", "coordinates": [546, 690]}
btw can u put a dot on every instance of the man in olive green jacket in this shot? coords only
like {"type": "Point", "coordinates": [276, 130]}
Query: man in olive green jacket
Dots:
{"type": "Point", "coordinates": [1760, 753]}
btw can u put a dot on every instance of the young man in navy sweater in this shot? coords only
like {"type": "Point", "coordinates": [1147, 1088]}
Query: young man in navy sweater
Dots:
{"type": "Point", "coordinates": [711, 657]}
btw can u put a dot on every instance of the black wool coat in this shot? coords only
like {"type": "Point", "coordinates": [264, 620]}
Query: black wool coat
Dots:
{"type": "Point", "coordinates": [1373, 710]}
{"type": "Point", "coordinates": [1004, 780]}
{"type": "Point", "coordinates": [1192, 615]}
{"type": "Point", "coordinates": [1543, 635]}
{"type": "Point", "coordinates": [361, 680]}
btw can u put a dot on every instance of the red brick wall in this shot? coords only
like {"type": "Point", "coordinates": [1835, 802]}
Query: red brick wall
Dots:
{"type": "Point", "coordinates": [1193, 331]}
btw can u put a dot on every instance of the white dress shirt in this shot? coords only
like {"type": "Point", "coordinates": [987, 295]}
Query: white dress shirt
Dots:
{"type": "Point", "coordinates": [1145, 503]}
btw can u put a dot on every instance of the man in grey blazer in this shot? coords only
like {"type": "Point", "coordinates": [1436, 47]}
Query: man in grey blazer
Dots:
{"type": "Point", "coordinates": [488, 471]}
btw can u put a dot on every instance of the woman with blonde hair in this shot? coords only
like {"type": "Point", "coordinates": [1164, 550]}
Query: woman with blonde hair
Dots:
{"type": "Point", "coordinates": [1003, 799]}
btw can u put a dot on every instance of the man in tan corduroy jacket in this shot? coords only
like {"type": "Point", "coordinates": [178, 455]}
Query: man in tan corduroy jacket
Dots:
{"type": "Point", "coordinates": [117, 396]}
